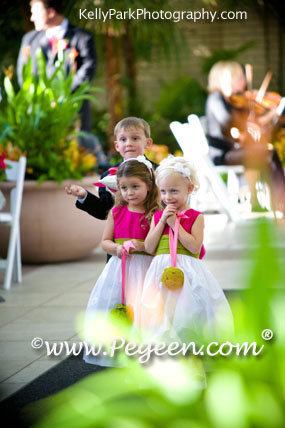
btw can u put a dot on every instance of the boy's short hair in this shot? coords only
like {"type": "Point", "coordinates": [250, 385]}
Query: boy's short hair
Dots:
{"type": "Point", "coordinates": [132, 122]}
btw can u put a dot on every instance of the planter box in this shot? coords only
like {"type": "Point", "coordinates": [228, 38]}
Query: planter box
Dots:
{"type": "Point", "coordinates": [52, 228]}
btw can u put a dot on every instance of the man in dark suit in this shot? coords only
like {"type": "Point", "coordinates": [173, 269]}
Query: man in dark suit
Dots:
{"type": "Point", "coordinates": [57, 38]}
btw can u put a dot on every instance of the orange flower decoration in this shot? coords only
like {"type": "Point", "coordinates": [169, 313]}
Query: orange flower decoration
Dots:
{"type": "Point", "coordinates": [73, 54]}
{"type": "Point", "coordinates": [26, 50]}
{"type": "Point", "coordinates": [8, 72]}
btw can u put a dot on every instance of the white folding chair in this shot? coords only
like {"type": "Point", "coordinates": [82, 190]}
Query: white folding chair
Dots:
{"type": "Point", "coordinates": [12, 219]}
{"type": "Point", "coordinates": [191, 138]}
{"type": "Point", "coordinates": [231, 170]}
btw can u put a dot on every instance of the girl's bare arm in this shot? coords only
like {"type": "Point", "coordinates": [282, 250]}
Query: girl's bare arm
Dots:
{"type": "Point", "coordinates": [193, 241]}
{"type": "Point", "coordinates": [153, 237]}
{"type": "Point", "coordinates": [107, 242]}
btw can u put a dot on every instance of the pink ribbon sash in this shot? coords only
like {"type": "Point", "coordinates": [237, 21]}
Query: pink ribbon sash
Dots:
{"type": "Point", "coordinates": [174, 239]}
{"type": "Point", "coordinates": [127, 245]}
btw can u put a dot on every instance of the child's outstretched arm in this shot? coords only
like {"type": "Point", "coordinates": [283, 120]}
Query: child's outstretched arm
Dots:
{"type": "Point", "coordinates": [74, 190]}
{"type": "Point", "coordinates": [154, 235]}
{"type": "Point", "coordinates": [193, 241]}
{"type": "Point", "coordinates": [107, 242]}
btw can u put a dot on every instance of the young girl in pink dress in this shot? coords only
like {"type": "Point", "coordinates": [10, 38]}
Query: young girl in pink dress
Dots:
{"type": "Point", "coordinates": [180, 312]}
{"type": "Point", "coordinates": [136, 200]}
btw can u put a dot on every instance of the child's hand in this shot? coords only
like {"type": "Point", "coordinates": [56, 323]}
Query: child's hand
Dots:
{"type": "Point", "coordinates": [76, 191]}
{"type": "Point", "coordinates": [170, 210]}
{"type": "Point", "coordinates": [119, 251]}
{"type": "Point", "coordinates": [171, 221]}
{"type": "Point", "coordinates": [139, 246]}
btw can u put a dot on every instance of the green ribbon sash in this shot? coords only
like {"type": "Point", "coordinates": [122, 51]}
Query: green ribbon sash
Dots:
{"type": "Point", "coordinates": [163, 248]}
{"type": "Point", "coordinates": [122, 240]}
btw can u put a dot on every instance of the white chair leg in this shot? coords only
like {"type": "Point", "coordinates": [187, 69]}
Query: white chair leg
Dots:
{"type": "Point", "coordinates": [219, 189]}
{"type": "Point", "coordinates": [233, 186]}
{"type": "Point", "coordinates": [17, 265]}
{"type": "Point", "coordinates": [18, 261]}
{"type": "Point", "coordinates": [11, 256]}
{"type": "Point", "coordinates": [13, 264]}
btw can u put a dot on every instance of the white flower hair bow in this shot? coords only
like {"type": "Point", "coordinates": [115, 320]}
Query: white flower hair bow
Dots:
{"type": "Point", "coordinates": [141, 159]}
{"type": "Point", "coordinates": [178, 167]}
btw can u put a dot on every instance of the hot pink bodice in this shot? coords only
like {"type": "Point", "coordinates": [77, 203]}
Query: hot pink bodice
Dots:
{"type": "Point", "coordinates": [128, 224]}
{"type": "Point", "coordinates": [186, 223]}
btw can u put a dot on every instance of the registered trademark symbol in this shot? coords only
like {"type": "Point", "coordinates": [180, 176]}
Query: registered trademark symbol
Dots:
{"type": "Point", "coordinates": [267, 334]}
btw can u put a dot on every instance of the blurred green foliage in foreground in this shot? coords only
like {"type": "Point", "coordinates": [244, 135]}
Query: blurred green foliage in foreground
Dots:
{"type": "Point", "coordinates": [239, 391]}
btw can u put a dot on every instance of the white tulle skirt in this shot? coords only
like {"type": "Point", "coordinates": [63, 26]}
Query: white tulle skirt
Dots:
{"type": "Point", "coordinates": [106, 294]}
{"type": "Point", "coordinates": [198, 307]}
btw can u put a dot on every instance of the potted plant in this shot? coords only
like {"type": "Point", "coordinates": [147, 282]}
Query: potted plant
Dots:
{"type": "Point", "coordinates": [40, 121]}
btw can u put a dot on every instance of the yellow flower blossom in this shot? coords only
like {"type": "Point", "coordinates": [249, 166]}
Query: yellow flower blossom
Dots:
{"type": "Point", "coordinates": [13, 153]}
{"type": "Point", "coordinates": [9, 71]}
{"type": "Point", "coordinates": [178, 153]}
{"type": "Point", "coordinates": [157, 152]}
{"type": "Point", "coordinates": [88, 161]}
{"type": "Point", "coordinates": [80, 160]}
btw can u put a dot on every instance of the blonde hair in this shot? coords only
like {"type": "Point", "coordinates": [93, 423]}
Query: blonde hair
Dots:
{"type": "Point", "coordinates": [222, 75]}
{"type": "Point", "coordinates": [172, 165]}
{"type": "Point", "coordinates": [134, 168]}
{"type": "Point", "coordinates": [132, 122]}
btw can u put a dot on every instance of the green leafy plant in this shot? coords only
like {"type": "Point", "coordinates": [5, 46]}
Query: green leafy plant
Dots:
{"type": "Point", "coordinates": [177, 99]}
{"type": "Point", "coordinates": [40, 119]}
